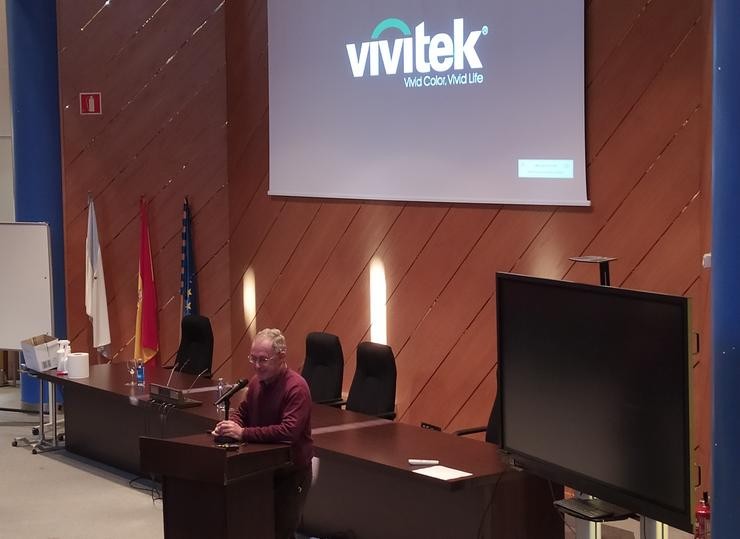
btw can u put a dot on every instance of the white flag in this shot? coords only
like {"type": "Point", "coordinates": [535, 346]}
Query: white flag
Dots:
{"type": "Point", "coordinates": [96, 302]}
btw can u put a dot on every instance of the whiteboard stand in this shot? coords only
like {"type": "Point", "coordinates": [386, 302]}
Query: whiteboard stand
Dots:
{"type": "Point", "coordinates": [27, 285]}
{"type": "Point", "coordinates": [42, 444]}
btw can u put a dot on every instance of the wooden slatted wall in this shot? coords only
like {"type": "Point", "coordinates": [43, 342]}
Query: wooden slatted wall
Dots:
{"type": "Point", "coordinates": [161, 68]}
{"type": "Point", "coordinates": [164, 134]}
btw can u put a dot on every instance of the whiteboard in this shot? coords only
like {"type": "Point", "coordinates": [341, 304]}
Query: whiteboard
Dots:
{"type": "Point", "coordinates": [25, 283]}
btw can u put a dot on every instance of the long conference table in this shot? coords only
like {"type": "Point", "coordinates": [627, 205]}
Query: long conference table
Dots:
{"type": "Point", "coordinates": [364, 487]}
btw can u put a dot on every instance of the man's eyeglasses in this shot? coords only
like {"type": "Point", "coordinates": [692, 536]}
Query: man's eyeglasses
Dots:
{"type": "Point", "coordinates": [257, 360]}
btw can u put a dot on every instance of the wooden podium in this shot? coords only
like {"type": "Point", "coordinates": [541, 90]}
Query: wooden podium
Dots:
{"type": "Point", "coordinates": [211, 492]}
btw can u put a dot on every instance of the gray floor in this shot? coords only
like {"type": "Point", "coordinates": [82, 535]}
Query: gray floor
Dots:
{"type": "Point", "coordinates": [59, 496]}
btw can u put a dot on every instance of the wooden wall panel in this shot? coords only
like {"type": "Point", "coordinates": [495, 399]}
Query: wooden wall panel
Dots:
{"type": "Point", "coordinates": [602, 42]}
{"type": "Point", "coordinates": [435, 265]}
{"type": "Point", "coordinates": [649, 209]}
{"type": "Point", "coordinates": [248, 168]}
{"type": "Point", "coordinates": [247, 61]}
{"type": "Point", "coordinates": [348, 260]}
{"type": "Point", "coordinates": [112, 224]}
{"type": "Point", "coordinates": [617, 87]}
{"type": "Point", "coordinates": [282, 239]}
{"type": "Point", "coordinates": [161, 70]}
{"type": "Point", "coordinates": [133, 129]}
{"type": "Point", "coordinates": [674, 263]}
{"type": "Point", "coordinates": [469, 336]}
{"type": "Point", "coordinates": [465, 369]}
{"type": "Point", "coordinates": [398, 250]}
{"type": "Point", "coordinates": [73, 14]}
{"type": "Point", "coordinates": [253, 226]}
{"type": "Point", "coordinates": [306, 263]}
{"type": "Point", "coordinates": [146, 53]}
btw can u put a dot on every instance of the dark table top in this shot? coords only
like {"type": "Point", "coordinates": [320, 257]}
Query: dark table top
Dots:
{"type": "Point", "coordinates": [391, 445]}
{"type": "Point", "coordinates": [362, 438]}
{"type": "Point", "coordinates": [112, 377]}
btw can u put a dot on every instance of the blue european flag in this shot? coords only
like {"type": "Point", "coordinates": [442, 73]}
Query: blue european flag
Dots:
{"type": "Point", "coordinates": [188, 281]}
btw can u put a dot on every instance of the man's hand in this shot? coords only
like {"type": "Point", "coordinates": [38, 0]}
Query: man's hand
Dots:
{"type": "Point", "coordinates": [229, 428]}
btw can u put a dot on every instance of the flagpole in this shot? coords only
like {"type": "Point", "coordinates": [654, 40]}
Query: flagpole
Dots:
{"type": "Point", "coordinates": [91, 338]}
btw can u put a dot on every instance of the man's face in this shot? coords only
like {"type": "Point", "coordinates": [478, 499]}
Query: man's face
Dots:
{"type": "Point", "coordinates": [266, 362]}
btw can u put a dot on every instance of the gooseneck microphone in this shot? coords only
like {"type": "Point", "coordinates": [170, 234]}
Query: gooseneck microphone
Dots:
{"type": "Point", "coordinates": [201, 373]}
{"type": "Point", "coordinates": [230, 393]}
{"type": "Point", "coordinates": [175, 369]}
{"type": "Point", "coordinates": [181, 367]}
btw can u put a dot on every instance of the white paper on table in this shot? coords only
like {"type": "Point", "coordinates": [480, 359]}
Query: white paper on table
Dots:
{"type": "Point", "coordinates": [442, 472]}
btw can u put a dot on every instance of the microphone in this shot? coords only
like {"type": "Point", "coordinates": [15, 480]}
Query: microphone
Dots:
{"type": "Point", "coordinates": [201, 373]}
{"type": "Point", "coordinates": [173, 371]}
{"type": "Point", "coordinates": [183, 365]}
{"type": "Point", "coordinates": [230, 393]}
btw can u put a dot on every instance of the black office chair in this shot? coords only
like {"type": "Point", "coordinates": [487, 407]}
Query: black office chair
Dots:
{"type": "Point", "coordinates": [493, 429]}
{"type": "Point", "coordinates": [373, 389]}
{"type": "Point", "coordinates": [323, 367]}
{"type": "Point", "coordinates": [195, 353]}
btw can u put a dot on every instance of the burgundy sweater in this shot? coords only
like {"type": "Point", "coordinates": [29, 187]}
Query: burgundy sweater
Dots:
{"type": "Point", "coordinates": [278, 411]}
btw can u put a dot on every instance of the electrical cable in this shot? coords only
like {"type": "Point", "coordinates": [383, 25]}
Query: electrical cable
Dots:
{"type": "Point", "coordinates": [153, 489]}
{"type": "Point", "coordinates": [490, 504]}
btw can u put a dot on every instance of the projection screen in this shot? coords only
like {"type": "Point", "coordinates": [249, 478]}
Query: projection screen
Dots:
{"type": "Point", "coordinates": [473, 101]}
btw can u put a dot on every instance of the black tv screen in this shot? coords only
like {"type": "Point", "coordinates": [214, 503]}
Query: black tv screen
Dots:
{"type": "Point", "coordinates": [595, 391]}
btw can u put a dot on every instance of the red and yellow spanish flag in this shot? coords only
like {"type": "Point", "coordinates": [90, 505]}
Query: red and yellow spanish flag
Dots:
{"type": "Point", "coordinates": [146, 341]}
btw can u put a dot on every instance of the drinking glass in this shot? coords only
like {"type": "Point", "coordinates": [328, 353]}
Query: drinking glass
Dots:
{"type": "Point", "coordinates": [131, 366]}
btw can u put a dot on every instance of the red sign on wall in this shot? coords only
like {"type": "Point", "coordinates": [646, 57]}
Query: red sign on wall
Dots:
{"type": "Point", "coordinates": [91, 103]}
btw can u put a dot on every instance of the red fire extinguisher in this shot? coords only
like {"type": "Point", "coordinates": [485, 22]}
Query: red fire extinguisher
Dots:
{"type": "Point", "coordinates": [703, 519]}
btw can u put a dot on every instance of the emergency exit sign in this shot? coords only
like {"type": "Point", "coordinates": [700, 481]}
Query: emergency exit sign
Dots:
{"type": "Point", "coordinates": [91, 103]}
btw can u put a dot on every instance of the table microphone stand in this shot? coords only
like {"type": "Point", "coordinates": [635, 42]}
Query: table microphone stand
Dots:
{"type": "Point", "coordinates": [225, 439]}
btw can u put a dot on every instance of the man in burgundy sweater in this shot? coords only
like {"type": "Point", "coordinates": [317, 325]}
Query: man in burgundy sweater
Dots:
{"type": "Point", "coordinates": [277, 409]}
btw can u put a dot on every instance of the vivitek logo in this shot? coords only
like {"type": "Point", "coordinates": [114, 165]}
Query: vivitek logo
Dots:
{"type": "Point", "coordinates": [420, 53]}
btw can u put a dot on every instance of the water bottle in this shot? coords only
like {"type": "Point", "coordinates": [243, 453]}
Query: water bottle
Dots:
{"type": "Point", "coordinates": [63, 354]}
{"type": "Point", "coordinates": [221, 390]}
{"type": "Point", "coordinates": [703, 516]}
{"type": "Point", "coordinates": [139, 372]}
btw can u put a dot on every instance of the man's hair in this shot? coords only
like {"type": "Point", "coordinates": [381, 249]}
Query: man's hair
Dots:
{"type": "Point", "coordinates": [276, 337]}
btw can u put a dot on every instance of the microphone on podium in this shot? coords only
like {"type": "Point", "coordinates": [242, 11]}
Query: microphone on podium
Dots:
{"type": "Point", "coordinates": [230, 393]}
{"type": "Point", "coordinates": [201, 373]}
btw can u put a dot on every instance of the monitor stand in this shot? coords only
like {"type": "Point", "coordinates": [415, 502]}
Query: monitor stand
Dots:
{"type": "Point", "coordinates": [652, 529]}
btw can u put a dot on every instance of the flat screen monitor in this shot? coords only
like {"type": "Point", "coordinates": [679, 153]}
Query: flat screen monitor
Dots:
{"type": "Point", "coordinates": [595, 391]}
